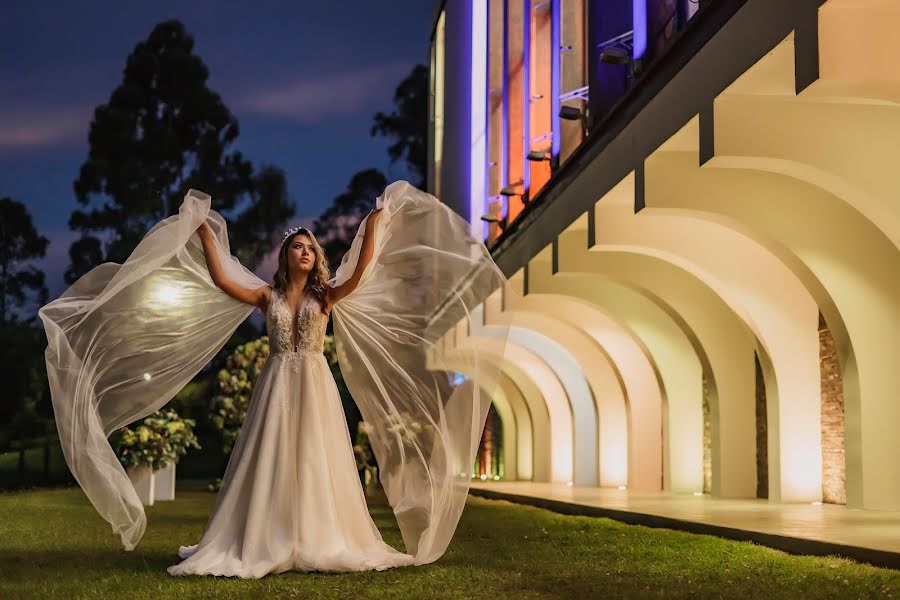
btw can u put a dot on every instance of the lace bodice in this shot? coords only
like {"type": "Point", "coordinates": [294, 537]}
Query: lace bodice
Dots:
{"type": "Point", "coordinates": [310, 325]}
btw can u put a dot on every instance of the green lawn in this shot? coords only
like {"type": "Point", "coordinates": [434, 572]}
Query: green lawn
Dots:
{"type": "Point", "coordinates": [52, 543]}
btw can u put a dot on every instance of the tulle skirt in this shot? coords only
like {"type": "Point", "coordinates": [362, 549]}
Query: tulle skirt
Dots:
{"type": "Point", "coordinates": [291, 497]}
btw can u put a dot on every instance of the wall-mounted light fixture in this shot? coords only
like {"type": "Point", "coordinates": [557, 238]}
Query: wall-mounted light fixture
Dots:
{"type": "Point", "coordinates": [501, 223]}
{"type": "Point", "coordinates": [570, 113]}
{"type": "Point", "coordinates": [620, 51]}
{"type": "Point", "coordinates": [615, 55]}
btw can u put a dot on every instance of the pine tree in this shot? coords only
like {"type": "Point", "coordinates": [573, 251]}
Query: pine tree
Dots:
{"type": "Point", "coordinates": [162, 132]}
{"type": "Point", "coordinates": [19, 242]}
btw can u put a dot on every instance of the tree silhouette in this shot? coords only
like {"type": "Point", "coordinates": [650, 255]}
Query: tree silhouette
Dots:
{"type": "Point", "coordinates": [259, 228]}
{"type": "Point", "coordinates": [407, 125]}
{"type": "Point", "coordinates": [19, 242]}
{"type": "Point", "coordinates": [84, 254]}
{"type": "Point", "coordinates": [336, 226]}
{"type": "Point", "coordinates": [162, 132]}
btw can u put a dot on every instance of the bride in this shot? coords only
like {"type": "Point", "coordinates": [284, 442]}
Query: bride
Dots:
{"type": "Point", "coordinates": [291, 495]}
{"type": "Point", "coordinates": [124, 339]}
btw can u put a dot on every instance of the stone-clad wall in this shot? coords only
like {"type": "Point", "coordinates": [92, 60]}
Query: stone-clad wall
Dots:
{"type": "Point", "coordinates": [833, 474]}
{"type": "Point", "coordinates": [707, 439]}
{"type": "Point", "coordinates": [762, 433]}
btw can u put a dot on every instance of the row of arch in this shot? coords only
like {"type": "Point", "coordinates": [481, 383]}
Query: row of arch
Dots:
{"type": "Point", "coordinates": [632, 317]}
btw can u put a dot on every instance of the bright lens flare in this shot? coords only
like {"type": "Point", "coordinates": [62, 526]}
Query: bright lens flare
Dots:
{"type": "Point", "coordinates": [167, 294]}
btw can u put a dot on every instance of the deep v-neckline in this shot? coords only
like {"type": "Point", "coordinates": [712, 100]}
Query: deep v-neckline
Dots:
{"type": "Point", "coordinates": [295, 315]}
{"type": "Point", "coordinates": [299, 303]}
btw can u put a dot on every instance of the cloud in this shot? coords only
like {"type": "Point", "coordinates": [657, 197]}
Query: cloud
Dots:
{"type": "Point", "coordinates": [306, 99]}
{"type": "Point", "coordinates": [37, 127]}
{"type": "Point", "coordinates": [310, 99]}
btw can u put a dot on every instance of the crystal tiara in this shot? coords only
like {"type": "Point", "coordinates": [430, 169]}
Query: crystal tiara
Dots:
{"type": "Point", "coordinates": [291, 232]}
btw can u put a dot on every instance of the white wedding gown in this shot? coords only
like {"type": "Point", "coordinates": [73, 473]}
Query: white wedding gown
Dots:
{"type": "Point", "coordinates": [291, 497]}
{"type": "Point", "coordinates": [124, 339]}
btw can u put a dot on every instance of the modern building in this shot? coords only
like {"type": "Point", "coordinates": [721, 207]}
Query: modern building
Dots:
{"type": "Point", "coordinates": [699, 202]}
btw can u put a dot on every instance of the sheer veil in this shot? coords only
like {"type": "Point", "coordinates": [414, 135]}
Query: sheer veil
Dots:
{"type": "Point", "coordinates": [124, 339]}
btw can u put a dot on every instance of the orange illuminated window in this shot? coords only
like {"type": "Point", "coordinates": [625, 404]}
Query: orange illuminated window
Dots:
{"type": "Point", "coordinates": [540, 95]}
{"type": "Point", "coordinates": [515, 108]}
{"type": "Point", "coordinates": [495, 158]}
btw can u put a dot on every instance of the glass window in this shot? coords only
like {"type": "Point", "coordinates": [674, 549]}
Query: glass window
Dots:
{"type": "Point", "coordinates": [573, 74]}
{"type": "Point", "coordinates": [540, 94]}
{"type": "Point", "coordinates": [515, 108]}
{"type": "Point", "coordinates": [437, 105]}
{"type": "Point", "coordinates": [495, 160]}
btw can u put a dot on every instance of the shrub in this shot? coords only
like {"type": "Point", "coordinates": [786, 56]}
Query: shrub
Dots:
{"type": "Point", "coordinates": [159, 439]}
{"type": "Point", "coordinates": [234, 388]}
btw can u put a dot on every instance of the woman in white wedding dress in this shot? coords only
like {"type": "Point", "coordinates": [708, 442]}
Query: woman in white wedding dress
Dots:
{"type": "Point", "coordinates": [124, 339]}
{"type": "Point", "coordinates": [291, 497]}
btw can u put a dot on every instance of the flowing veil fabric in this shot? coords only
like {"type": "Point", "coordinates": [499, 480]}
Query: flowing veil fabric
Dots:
{"type": "Point", "coordinates": [124, 339]}
{"type": "Point", "coordinates": [427, 279]}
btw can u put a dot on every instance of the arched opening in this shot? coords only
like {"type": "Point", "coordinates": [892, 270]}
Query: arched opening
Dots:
{"type": "Point", "coordinates": [489, 460]}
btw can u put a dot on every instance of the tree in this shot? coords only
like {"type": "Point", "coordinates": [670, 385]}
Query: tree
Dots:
{"type": "Point", "coordinates": [162, 132]}
{"type": "Point", "coordinates": [336, 227]}
{"type": "Point", "coordinates": [259, 228]}
{"type": "Point", "coordinates": [24, 374]}
{"type": "Point", "coordinates": [407, 125]}
{"type": "Point", "coordinates": [19, 242]}
{"type": "Point", "coordinates": [25, 396]}
{"type": "Point", "coordinates": [84, 254]}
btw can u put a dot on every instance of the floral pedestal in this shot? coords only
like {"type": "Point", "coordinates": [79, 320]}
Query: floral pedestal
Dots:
{"type": "Point", "coordinates": [161, 438]}
{"type": "Point", "coordinates": [142, 479]}
{"type": "Point", "coordinates": [153, 485]}
{"type": "Point", "coordinates": [164, 483]}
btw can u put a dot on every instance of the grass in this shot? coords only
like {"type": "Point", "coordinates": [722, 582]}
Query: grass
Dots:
{"type": "Point", "coordinates": [52, 543]}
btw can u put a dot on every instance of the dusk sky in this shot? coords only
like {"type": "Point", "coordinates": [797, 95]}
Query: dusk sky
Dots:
{"type": "Point", "coordinates": [303, 79]}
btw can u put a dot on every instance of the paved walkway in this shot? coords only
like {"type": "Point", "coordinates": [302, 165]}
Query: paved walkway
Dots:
{"type": "Point", "coordinates": [869, 536]}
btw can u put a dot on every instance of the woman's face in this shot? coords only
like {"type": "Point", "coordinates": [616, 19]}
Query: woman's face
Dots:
{"type": "Point", "coordinates": [301, 254]}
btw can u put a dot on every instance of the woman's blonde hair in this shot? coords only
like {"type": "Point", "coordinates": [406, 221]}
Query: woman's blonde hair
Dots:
{"type": "Point", "coordinates": [319, 275]}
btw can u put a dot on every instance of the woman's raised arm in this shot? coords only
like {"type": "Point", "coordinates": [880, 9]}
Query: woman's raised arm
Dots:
{"type": "Point", "coordinates": [257, 297]}
{"type": "Point", "coordinates": [365, 256]}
